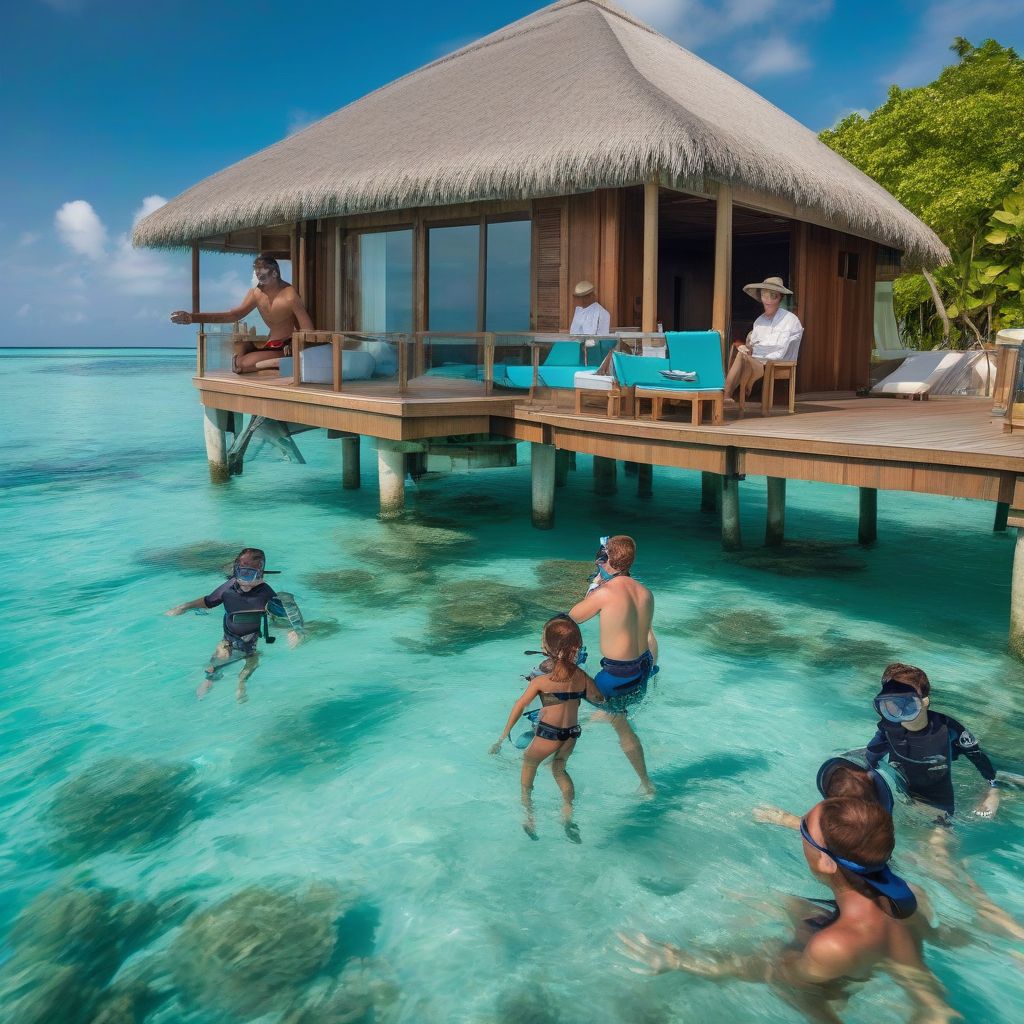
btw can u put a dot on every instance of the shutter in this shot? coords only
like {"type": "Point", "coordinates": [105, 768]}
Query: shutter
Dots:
{"type": "Point", "coordinates": [547, 236]}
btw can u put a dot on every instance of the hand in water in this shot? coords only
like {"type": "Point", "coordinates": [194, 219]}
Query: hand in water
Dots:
{"type": "Point", "coordinates": [294, 639]}
{"type": "Point", "coordinates": [770, 815]}
{"type": "Point", "coordinates": [177, 610]}
{"type": "Point", "coordinates": [988, 807]}
{"type": "Point", "coordinates": [659, 957]}
{"type": "Point", "coordinates": [497, 747]}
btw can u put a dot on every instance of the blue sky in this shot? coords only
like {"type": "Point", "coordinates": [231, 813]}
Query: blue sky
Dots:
{"type": "Point", "coordinates": [109, 106]}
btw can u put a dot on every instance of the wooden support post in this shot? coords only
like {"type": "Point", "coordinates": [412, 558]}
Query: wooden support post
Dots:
{"type": "Point", "coordinates": [1002, 514]}
{"type": "Point", "coordinates": [195, 279]}
{"type": "Point", "coordinates": [572, 460]}
{"type": "Point", "coordinates": [732, 538]}
{"type": "Point", "coordinates": [867, 528]}
{"type": "Point", "coordinates": [645, 480]}
{"type": "Point", "coordinates": [561, 467]}
{"type": "Point", "coordinates": [542, 476]}
{"type": "Point", "coordinates": [649, 315]}
{"type": "Point", "coordinates": [630, 468]}
{"type": "Point", "coordinates": [1017, 598]}
{"type": "Point", "coordinates": [775, 522]}
{"type": "Point", "coordinates": [215, 422]}
{"type": "Point", "coordinates": [604, 475]}
{"type": "Point", "coordinates": [391, 477]}
{"type": "Point", "coordinates": [350, 463]}
{"type": "Point", "coordinates": [721, 303]}
{"type": "Point", "coordinates": [710, 492]}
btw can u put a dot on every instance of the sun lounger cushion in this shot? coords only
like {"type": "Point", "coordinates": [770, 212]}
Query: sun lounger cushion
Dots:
{"type": "Point", "coordinates": [700, 352]}
{"type": "Point", "coordinates": [317, 365]}
{"type": "Point", "coordinates": [590, 380]}
{"type": "Point", "coordinates": [917, 373]}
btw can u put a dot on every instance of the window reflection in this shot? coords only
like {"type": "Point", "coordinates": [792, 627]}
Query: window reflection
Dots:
{"type": "Point", "coordinates": [385, 281]}
{"type": "Point", "coordinates": [508, 276]}
{"type": "Point", "coordinates": [453, 256]}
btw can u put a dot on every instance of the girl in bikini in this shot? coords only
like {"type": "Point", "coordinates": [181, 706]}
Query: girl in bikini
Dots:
{"type": "Point", "coordinates": [556, 724]}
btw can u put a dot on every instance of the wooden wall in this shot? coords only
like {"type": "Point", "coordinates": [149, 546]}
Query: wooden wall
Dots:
{"type": "Point", "coordinates": [598, 236]}
{"type": "Point", "coordinates": [837, 313]}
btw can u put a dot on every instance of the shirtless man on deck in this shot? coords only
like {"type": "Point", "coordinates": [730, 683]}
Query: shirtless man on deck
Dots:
{"type": "Point", "coordinates": [629, 650]}
{"type": "Point", "coordinates": [279, 305]}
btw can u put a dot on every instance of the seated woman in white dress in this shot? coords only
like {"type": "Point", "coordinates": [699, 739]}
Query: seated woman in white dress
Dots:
{"type": "Point", "coordinates": [776, 335]}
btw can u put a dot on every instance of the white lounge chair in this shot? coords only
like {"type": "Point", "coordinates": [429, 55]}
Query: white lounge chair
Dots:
{"type": "Point", "coordinates": [917, 374]}
{"type": "Point", "coordinates": [888, 343]}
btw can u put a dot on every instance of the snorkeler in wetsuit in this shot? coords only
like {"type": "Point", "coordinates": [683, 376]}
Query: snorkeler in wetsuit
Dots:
{"type": "Point", "coordinates": [847, 843]}
{"type": "Point", "coordinates": [921, 745]}
{"type": "Point", "coordinates": [245, 597]}
{"type": "Point", "coordinates": [556, 726]}
{"type": "Point", "coordinates": [629, 649]}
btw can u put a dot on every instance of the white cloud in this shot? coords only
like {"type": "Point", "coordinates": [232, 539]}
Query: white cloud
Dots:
{"type": "Point", "coordinates": [149, 205]}
{"type": "Point", "coordinates": [77, 317]}
{"type": "Point", "coordinates": [28, 238]}
{"type": "Point", "coordinates": [81, 229]}
{"type": "Point", "coordinates": [140, 271]}
{"type": "Point", "coordinates": [24, 309]}
{"type": "Point", "coordinates": [941, 21]}
{"type": "Point", "coordinates": [299, 119]}
{"type": "Point", "coordinates": [776, 56]}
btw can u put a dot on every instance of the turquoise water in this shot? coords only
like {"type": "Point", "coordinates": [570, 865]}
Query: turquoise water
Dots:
{"type": "Point", "coordinates": [356, 780]}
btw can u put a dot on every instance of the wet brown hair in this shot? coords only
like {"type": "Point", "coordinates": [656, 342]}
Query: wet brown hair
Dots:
{"type": "Point", "coordinates": [858, 830]}
{"type": "Point", "coordinates": [847, 781]}
{"type": "Point", "coordinates": [562, 641]}
{"type": "Point", "coordinates": [267, 261]}
{"type": "Point", "coordinates": [621, 552]}
{"type": "Point", "coordinates": [909, 675]}
{"type": "Point", "coordinates": [251, 556]}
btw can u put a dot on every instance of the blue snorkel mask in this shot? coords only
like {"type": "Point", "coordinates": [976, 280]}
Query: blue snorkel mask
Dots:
{"type": "Point", "coordinates": [897, 702]}
{"type": "Point", "coordinates": [882, 790]}
{"type": "Point", "coordinates": [248, 573]}
{"type": "Point", "coordinates": [879, 877]}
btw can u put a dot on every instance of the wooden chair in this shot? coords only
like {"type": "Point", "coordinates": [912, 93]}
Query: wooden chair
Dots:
{"type": "Point", "coordinates": [776, 370]}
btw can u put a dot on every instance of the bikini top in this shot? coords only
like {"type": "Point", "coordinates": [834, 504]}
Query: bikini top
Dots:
{"type": "Point", "coordinates": [549, 698]}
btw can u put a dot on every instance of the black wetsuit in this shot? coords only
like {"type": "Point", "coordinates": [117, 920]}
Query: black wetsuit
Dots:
{"type": "Point", "coordinates": [234, 599]}
{"type": "Point", "coordinates": [924, 759]}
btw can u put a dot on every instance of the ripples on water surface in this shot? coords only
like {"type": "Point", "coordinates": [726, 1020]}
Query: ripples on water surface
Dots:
{"type": "Point", "coordinates": [350, 809]}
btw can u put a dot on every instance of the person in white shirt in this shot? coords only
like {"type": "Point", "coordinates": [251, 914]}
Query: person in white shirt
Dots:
{"type": "Point", "coordinates": [590, 318]}
{"type": "Point", "coordinates": [776, 335]}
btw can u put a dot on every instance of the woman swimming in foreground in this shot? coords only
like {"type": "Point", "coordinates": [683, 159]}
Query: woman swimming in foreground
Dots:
{"type": "Point", "coordinates": [556, 725]}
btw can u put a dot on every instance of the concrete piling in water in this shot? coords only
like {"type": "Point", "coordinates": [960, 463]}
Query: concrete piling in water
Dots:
{"type": "Point", "coordinates": [215, 424]}
{"type": "Point", "coordinates": [562, 461]}
{"type": "Point", "coordinates": [543, 459]}
{"type": "Point", "coordinates": [630, 468]}
{"type": "Point", "coordinates": [645, 481]}
{"type": "Point", "coordinates": [775, 520]}
{"type": "Point", "coordinates": [867, 526]}
{"type": "Point", "coordinates": [604, 476]}
{"type": "Point", "coordinates": [391, 476]}
{"type": "Point", "coordinates": [732, 538]}
{"type": "Point", "coordinates": [1017, 598]}
{"type": "Point", "coordinates": [350, 463]}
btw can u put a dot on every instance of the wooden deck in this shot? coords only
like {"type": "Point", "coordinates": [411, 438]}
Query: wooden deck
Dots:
{"type": "Point", "coordinates": [948, 446]}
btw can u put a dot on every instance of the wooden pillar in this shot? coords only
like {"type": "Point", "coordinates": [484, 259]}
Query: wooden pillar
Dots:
{"type": "Point", "coordinates": [604, 475]}
{"type": "Point", "coordinates": [542, 476]}
{"type": "Point", "coordinates": [710, 492]}
{"type": "Point", "coordinates": [867, 527]}
{"type": "Point", "coordinates": [649, 317]}
{"type": "Point", "coordinates": [572, 460]}
{"type": "Point", "coordinates": [645, 481]}
{"type": "Point", "coordinates": [350, 463]}
{"type": "Point", "coordinates": [732, 538]}
{"type": "Point", "coordinates": [721, 303]}
{"type": "Point", "coordinates": [561, 467]}
{"type": "Point", "coordinates": [630, 468]}
{"type": "Point", "coordinates": [1002, 514]}
{"type": "Point", "coordinates": [1017, 598]}
{"type": "Point", "coordinates": [195, 279]}
{"type": "Point", "coordinates": [215, 423]}
{"type": "Point", "coordinates": [391, 476]}
{"type": "Point", "coordinates": [775, 522]}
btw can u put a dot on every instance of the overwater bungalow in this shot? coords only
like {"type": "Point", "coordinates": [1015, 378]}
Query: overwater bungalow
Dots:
{"type": "Point", "coordinates": [438, 226]}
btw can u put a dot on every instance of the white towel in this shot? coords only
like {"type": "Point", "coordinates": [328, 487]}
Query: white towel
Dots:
{"type": "Point", "coordinates": [689, 375]}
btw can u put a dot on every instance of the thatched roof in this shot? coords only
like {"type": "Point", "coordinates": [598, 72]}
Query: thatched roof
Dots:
{"type": "Point", "coordinates": [578, 95]}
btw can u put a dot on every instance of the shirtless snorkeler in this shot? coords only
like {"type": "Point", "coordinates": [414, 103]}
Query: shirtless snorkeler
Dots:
{"type": "Point", "coordinates": [625, 610]}
{"type": "Point", "coordinates": [279, 305]}
{"type": "Point", "coordinates": [873, 925]}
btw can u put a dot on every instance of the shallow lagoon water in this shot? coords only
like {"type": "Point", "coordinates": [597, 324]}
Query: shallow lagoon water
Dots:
{"type": "Point", "coordinates": [356, 781]}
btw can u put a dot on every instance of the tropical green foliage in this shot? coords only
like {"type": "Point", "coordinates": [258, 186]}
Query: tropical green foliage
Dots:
{"type": "Point", "coordinates": [953, 153]}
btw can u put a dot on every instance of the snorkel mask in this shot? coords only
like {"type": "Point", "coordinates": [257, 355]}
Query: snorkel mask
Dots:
{"type": "Point", "coordinates": [601, 558]}
{"type": "Point", "coordinates": [879, 877]}
{"type": "Point", "coordinates": [882, 791]}
{"type": "Point", "coordinates": [897, 702]}
{"type": "Point", "coordinates": [247, 575]}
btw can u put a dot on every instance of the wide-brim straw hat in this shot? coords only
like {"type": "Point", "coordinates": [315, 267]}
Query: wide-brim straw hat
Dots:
{"type": "Point", "coordinates": [769, 284]}
{"type": "Point", "coordinates": [583, 288]}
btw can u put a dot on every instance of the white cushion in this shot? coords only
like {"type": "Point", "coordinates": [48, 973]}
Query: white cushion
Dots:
{"type": "Point", "coordinates": [318, 367]}
{"type": "Point", "coordinates": [918, 373]}
{"type": "Point", "coordinates": [589, 380]}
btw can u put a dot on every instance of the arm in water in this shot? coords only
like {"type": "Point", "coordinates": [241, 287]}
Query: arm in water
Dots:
{"type": "Point", "coordinates": [180, 609]}
{"type": "Point", "coordinates": [528, 697]}
{"type": "Point", "coordinates": [284, 606]}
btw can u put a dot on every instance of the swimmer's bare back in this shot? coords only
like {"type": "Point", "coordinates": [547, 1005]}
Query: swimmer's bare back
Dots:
{"type": "Point", "coordinates": [626, 609]}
